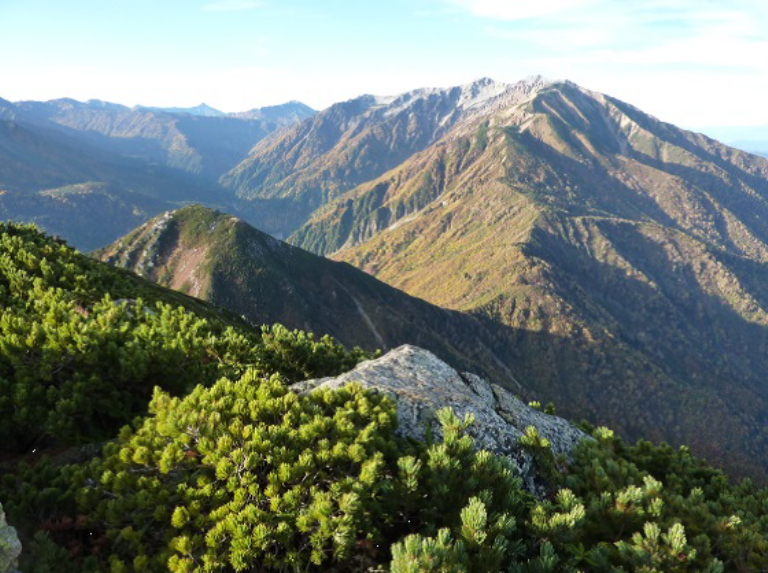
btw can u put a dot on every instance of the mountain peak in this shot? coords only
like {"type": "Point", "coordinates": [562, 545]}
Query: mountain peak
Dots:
{"type": "Point", "coordinates": [538, 80]}
{"type": "Point", "coordinates": [362, 128]}
{"type": "Point", "coordinates": [476, 93]}
{"type": "Point", "coordinates": [101, 104]}
{"type": "Point", "coordinates": [203, 110]}
{"type": "Point", "coordinates": [285, 113]}
{"type": "Point", "coordinates": [482, 81]}
{"type": "Point", "coordinates": [223, 260]}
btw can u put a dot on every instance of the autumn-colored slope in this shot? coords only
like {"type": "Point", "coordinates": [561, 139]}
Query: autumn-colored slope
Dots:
{"type": "Point", "coordinates": [636, 252]}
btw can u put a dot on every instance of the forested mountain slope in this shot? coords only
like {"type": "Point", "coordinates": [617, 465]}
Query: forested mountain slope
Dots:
{"type": "Point", "coordinates": [82, 192]}
{"type": "Point", "coordinates": [89, 214]}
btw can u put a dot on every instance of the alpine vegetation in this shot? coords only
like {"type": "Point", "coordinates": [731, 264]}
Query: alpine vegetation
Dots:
{"type": "Point", "coordinates": [144, 430]}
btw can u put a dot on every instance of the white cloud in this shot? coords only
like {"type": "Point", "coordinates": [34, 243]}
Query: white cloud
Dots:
{"type": "Point", "coordinates": [232, 5]}
{"type": "Point", "coordinates": [687, 27]}
{"type": "Point", "coordinates": [638, 11]}
{"type": "Point", "coordinates": [519, 9]}
{"type": "Point", "coordinates": [691, 62]}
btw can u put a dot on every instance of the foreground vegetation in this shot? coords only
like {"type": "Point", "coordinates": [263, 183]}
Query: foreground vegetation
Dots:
{"type": "Point", "coordinates": [220, 466]}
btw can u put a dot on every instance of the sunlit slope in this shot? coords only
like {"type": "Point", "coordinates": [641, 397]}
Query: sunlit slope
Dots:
{"type": "Point", "coordinates": [290, 175]}
{"type": "Point", "coordinates": [635, 250]}
{"type": "Point", "coordinates": [221, 259]}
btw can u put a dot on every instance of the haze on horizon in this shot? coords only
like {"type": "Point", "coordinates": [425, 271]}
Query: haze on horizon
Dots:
{"type": "Point", "coordinates": [695, 63]}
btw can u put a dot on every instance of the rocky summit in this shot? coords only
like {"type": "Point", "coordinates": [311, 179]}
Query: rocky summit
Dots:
{"type": "Point", "coordinates": [422, 384]}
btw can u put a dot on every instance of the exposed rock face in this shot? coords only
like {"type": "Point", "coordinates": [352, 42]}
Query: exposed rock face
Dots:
{"type": "Point", "coordinates": [10, 546]}
{"type": "Point", "coordinates": [422, 384]}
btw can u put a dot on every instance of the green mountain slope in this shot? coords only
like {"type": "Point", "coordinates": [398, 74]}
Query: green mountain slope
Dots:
{"type": "Point", "coordinates": [636, 250]}
{"type": "Point", "coordinates": [221, 259]}
{"type": "Point", "coordinates": [83, 346]}
{"type": "Point", "coordinates": [88, 213]}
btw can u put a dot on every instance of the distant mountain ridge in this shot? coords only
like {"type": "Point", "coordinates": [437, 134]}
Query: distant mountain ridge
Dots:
{"type": "Point", "coordinates": [285, 114]}
{"type": "Point", "coordinates": [199, 140]}
{"type": "Point", "coordinates": [202, 109]}
{"type": "Point", "coordinates": [753, 139]}
{"type": "Point", "coordinates": [126, 164]}
{"type": "Point", "coordinates": [281, 115]}
{"type": "Point", "coordinates": [287, 177]}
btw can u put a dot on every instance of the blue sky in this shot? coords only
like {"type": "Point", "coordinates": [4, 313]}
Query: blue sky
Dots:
{"type": "Point", "coordinates": [691, 62]}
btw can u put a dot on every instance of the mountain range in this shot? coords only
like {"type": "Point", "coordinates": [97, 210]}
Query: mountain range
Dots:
{"type": "Point", "coordinates": [200, 142]}
{"type": "Point", "coordinates": [288, 177]}
{"type": "Point", "coordinates": [151, 160]}
{"type": "Point", "coordinates": [636, 249]}
{"type": "Point", "coordinates": [552, 238]}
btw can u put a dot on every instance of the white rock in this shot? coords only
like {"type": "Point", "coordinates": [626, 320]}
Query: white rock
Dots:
{"type": "Point", "coordinates": [422, 384]}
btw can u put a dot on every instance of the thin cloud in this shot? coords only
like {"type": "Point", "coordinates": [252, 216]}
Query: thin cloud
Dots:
{"type": "Point", "coordinates": [646, 33]}
{"type": "Point", "coordinates": [641, 11]}
{"type": "Point", "coordinates": [648, 52]}
{"type": "Point", "coordinates": [233, 5]}
{"type": "Point", "coordinates": [511, 10]}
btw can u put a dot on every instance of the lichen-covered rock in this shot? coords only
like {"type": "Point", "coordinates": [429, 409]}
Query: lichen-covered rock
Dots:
{"type": "Point", "coordinates": [10, 546]}
{"type": "Point", "coordinates": [422, 384]}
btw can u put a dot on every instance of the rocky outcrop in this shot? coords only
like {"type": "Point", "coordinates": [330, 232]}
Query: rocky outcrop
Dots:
{"type": "Point", "coordinates": [422, 384]}
{"type": "Point", "coordinates": [10, 546]}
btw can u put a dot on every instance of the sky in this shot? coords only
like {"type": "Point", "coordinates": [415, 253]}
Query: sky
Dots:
{"type": "Point", "coordinates": [695, 63]}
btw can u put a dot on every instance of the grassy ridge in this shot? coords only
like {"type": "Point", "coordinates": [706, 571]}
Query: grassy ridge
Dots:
{"type": "Point", "coordinates": [225, 261]}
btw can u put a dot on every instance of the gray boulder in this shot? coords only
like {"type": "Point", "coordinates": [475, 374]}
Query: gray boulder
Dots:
{"type": "Point", "coordinates": [10, 546]}
{"type": "Point", "coordinates": [421, 384]}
